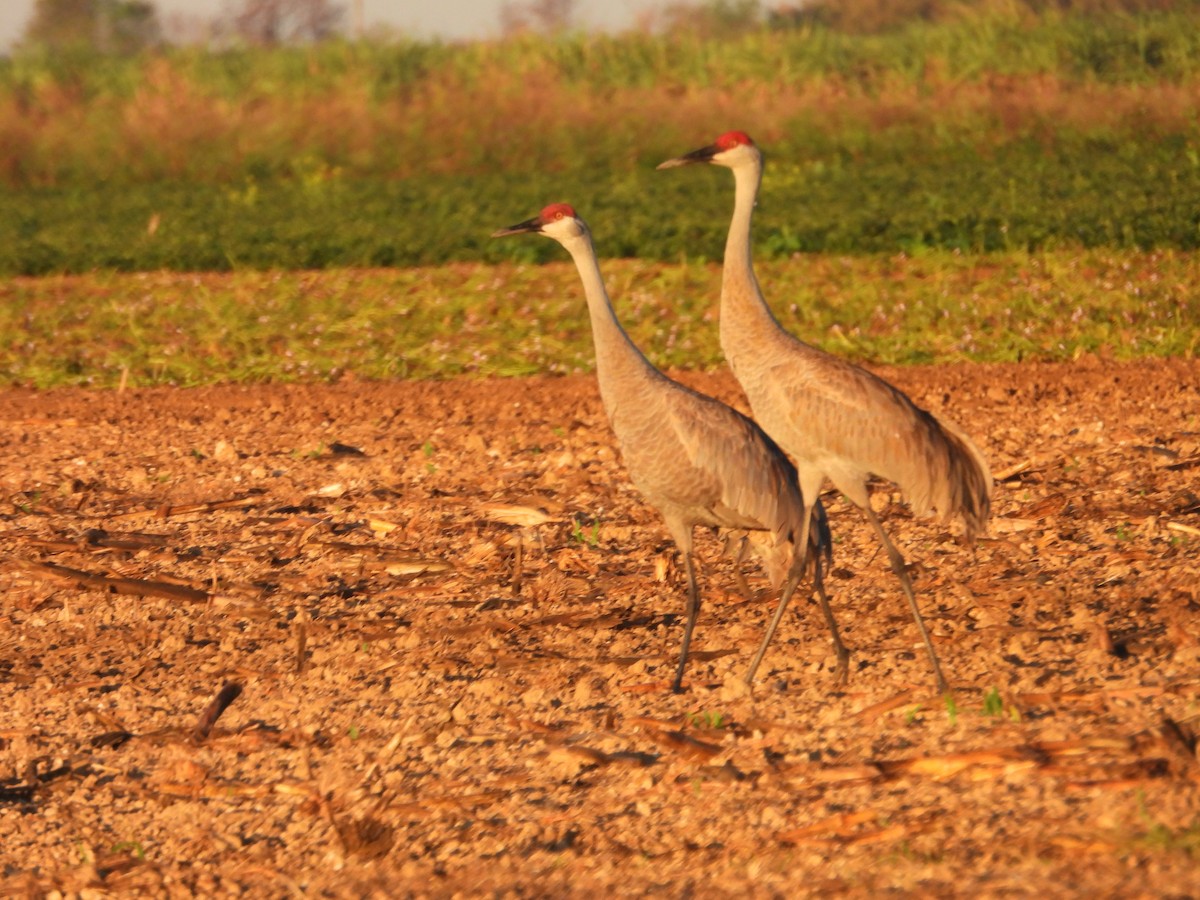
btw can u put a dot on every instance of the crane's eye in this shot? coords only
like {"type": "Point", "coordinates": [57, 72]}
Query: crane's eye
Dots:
{"type": "Point", "coordinates": [559, 214]}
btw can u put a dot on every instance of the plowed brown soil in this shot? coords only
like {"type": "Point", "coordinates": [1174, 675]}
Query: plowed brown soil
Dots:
{"type": "Point", "coordinates": [452, 622]}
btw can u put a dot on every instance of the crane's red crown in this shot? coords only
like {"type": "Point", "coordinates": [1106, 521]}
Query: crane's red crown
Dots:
{"type": "Point", "coordinates": [557, 211]}
{"type": "Point", "coordinates": [731, 139]}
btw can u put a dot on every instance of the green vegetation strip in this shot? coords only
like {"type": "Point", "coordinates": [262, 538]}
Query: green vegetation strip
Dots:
{"type": "Point", "coordinates": [481, 320]}
{"type": "Point", "coordinates": [1141, 193]}
{"type": "Point", "coordinates": [1004, 127]}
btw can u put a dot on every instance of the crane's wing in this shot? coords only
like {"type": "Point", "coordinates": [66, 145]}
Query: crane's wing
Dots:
{"type": "Point", "coordinates": [855, 422]}
{"type": "Point", "coordinates": [754, 484]}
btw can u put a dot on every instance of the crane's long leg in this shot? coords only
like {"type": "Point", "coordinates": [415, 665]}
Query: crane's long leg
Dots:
{"type": "Point", "coordinates": [898, 566]}
{"type": "Point", "coordinates": [843, 655]}
{"type": "Point", "coordinates": [820, 523]}
{"type": "Point", "coordinates": [693, 611]}
{"type": "Point", "coordinates": [842, 673]}
{"type": "Point", "coordinates": [738, 558]}
{"type": "Point", "coordinates": [784, 598]}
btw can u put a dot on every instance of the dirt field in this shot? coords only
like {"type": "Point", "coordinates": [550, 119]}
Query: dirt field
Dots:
{"type": "Point", "coordinates": [452, 622]}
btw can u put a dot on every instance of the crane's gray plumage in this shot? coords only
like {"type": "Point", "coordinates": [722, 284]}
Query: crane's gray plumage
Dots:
{"type": "Point", "coordinates": [836, 420]}
{"type": "Point", "coordinates": [696, 460]}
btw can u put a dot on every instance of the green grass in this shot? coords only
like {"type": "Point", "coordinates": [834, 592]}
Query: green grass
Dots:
{"type": "Point", "coordinates": [1154, 835]}
{"type": "Point", "coordinates": [1160, 838]}
{"type": "Point", "coordinates": [476, 319]}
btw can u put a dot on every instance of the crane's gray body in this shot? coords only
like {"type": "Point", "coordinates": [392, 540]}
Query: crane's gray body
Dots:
{"type": "Point", "coordinates": [834, 419]}
{"type": "Point", "coordinates": [841, 422]}
{"type": "Point", "coordinates": [696, 460]}
{"type": "Point", "coordinates": [701, 463]}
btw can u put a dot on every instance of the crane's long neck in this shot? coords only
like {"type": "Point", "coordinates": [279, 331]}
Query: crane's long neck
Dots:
{"type": "Point", "coordinates": [621, 368]}
{"type": "Point", "coordinates": [745, 316]}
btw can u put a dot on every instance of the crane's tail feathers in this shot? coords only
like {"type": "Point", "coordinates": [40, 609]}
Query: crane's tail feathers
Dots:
{"type": "Point", "coordinates": [820, 538]}
{"type": "Point", "coordinates": [779, 553]}
{"type": "Point", "coordinates": [967, 487]}
{"type": "Point", "coordinates": [820, 545]}
{"type": "Point", "coordinates": [776, 556]}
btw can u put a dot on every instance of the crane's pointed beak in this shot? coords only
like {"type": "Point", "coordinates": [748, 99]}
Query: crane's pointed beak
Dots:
{"type": "Point", "coordinates": [529, 226]}
{"type": "Point", "coordinates": [703, 155]}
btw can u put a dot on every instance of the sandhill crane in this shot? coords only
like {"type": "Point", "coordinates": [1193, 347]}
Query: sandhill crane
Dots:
{"type": "Point", "coordinates": [835, 419]}
{"type": "Point", "coordinates": [696, 460]}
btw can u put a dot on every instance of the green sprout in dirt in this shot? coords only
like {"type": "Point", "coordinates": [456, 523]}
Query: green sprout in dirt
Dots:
{"type": "Point", "coordinates": [591, 538]}
{"type": "Point", "coordinates": [993, 705]}
{"type": "Point", "coordinates": [951, 709]}
{"type": "Point", "coordinates": [1183, 840]}
{"type": "Point", "coordinates": [1160, 836]}
{"type": "Point", "coordinates": [906, 853]}
{"type": "Point", "coordinates": [710, 720]}
{"type": "Point", "coordinates": [133, 848]}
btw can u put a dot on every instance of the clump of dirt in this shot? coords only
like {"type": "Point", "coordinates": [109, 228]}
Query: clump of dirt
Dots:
{"type": "Point", "coordinates": [417, 637]}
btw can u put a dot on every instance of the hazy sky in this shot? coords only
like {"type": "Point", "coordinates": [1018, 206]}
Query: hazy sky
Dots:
{"type": "Point", "coordinates": [419, 18]}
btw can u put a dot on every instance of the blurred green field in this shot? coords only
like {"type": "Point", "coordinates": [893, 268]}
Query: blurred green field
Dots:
{"type": "Point", "coordinates": [1009, 182]}
{"type": "Point", "coordinates": [995, 131]}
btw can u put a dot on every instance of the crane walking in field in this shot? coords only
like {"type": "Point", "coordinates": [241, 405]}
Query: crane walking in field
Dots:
{"type": "Point", "coordinates": [836, 420]}
{"type": "Point", "coordinates": [696, 460]}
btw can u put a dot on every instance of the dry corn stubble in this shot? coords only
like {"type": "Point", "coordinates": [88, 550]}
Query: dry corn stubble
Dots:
{"type": "Point", "coordinates": [444, 677]}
